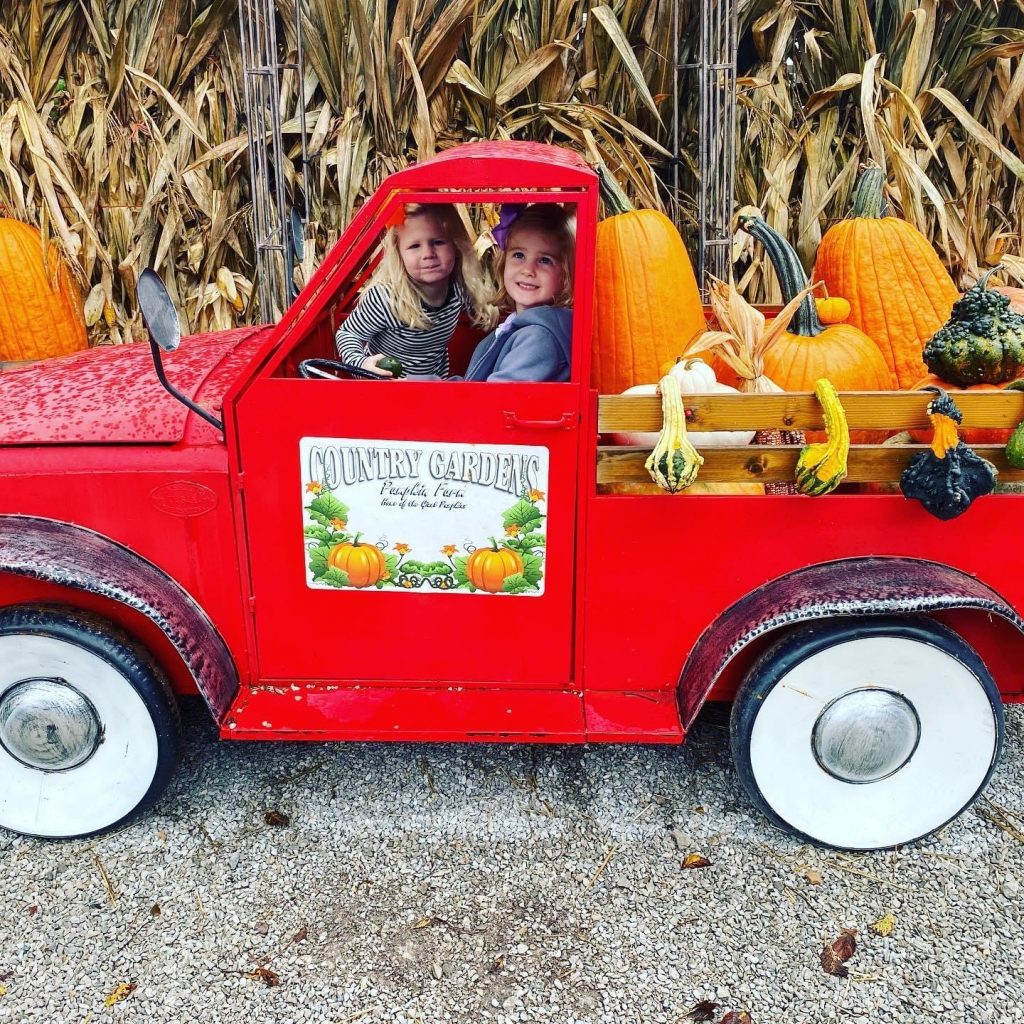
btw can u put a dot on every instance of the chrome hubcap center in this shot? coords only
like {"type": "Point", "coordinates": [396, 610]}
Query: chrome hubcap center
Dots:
{"type": "Point", "coordinates": [48, 724]}
{"type": "Point", "coordinates": [866, 735]}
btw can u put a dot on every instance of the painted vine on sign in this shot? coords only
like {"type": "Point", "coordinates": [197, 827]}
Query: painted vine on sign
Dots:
{"type": "Point", "coordinates": [510, 562]}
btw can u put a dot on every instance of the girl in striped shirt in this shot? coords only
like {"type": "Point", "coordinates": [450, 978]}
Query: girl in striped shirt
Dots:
{"type": "Point", "coordinates": [428, 274]}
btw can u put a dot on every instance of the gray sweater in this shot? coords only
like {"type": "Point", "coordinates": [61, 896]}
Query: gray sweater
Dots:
{"type": "Point", "coordinates": [532, 345]}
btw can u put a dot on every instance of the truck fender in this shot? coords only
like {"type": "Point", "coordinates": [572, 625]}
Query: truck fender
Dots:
{"type": "Point", "coordinates": [846, 587]}
{"type": "Point", "coordinates": [81, 559]}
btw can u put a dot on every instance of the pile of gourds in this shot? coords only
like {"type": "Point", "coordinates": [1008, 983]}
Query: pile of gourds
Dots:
{"type": "Point", "coordinates": [891, 318]}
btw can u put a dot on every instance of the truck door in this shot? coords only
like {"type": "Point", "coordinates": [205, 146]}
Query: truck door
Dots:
{"type": "Point", "coordinates": [416, 531]}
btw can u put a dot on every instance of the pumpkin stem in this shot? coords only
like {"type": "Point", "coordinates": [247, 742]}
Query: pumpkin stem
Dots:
{"type": "Point", "coordinates": [612, 195]}
{"type": "Point", "coordinates": [355, 540]}
{"type": "Point", "coordinates": [494, 543]}
{"type": "Point", "coordinates": [789, 271]}
{"type": "Point", "coordinates": [868, 198]}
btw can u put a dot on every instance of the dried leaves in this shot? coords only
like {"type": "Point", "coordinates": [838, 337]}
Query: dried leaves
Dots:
{"type": "Point", "coordinates": [705, 1011]}
{"type": "Point", "coordinates": [266, 975]}
{"type": "Point", "coordinates": [883, 926]}
{"type": "Point", "coordinates": [276, 819]}
{"type": "Point", "coordinates": [695, 860]}
{"type": "Point", "coordinates": [834, 956]}
{"type": "Point", "coordinates": [120, 994]}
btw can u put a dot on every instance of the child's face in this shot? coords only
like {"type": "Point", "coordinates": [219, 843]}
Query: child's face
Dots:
{"type": "Point", "coordinates": [533, 268]}
{"type": "Point", "coordinates": [428, 254]}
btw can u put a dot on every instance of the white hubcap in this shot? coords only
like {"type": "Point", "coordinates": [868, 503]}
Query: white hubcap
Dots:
{"type": "Point", "coordinates": [78, 747]}
{"type": "Point", "coordinates": [48, 724]}
{"type": "Point", "coordinates": [866, 735]}
{"type": "Point", "coordinates": [873, 742]}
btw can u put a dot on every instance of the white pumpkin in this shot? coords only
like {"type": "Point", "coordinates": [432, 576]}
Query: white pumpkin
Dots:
{"type": "Point", "coordinates": [695, 378]}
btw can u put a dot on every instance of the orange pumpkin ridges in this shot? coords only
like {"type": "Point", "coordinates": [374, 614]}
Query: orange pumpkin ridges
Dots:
{"type": "Point", "coordinates": [364, 563]}
{"type": "Point", "coordinates": [645, 294]}
{"type": "Point", "coordinates": [40, 305]}
{"type": "Point", "coordinates": [900, 294]}
{"type": "Point", "coordinates": [488, 568]}
{"type": "Point", "coordinates": [809, 351]}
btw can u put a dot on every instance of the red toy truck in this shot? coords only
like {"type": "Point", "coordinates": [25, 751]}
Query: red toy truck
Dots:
{"type": "Point", "coordinates": [344, 560]}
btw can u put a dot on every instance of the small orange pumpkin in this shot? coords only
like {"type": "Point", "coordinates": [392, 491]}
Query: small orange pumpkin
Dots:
{"type": "Point", "coordinates": [364, 563]}
{"type": "Point", "coordinates": [833, 310]}
{"type": "Point", "coordinates": [40, 305]}
{"type": "Point", "coordinates": [488, 568]}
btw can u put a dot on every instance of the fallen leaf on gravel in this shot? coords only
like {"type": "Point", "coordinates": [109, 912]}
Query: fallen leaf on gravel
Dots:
{"type": "Point", "coordinates": [883, 926]}
{"type": "Point", "coordinates": [32, 910]}
{"type": "Point", "coordinates": [154, 911]}
{"type": "Point", "coordinates": [3, 990]}
{"type": "Point", "coordinates": [266, 975]}
{"type": "Point", "coordinates": [276, 819]}
{"type": "Point", "coordinates": [835, 956]}
{"type": "Point", "coordinates": [498, 966]}
{"type": "Point", "coordinates": [120, 994]}
{"type": "Point", "coordinates": [737, 1017]}
{"type": "Point", "coordinates": [704, 1010]}
{"type": "Point", "coordinates": [813, 876]}
{"type": "Point", "coordinates": [696, 860]}
{"type": "Point", "coordinates": [301, 934]}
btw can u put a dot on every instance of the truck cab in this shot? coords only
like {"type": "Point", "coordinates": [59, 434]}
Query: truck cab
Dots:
{"type": "Point", "coordinates": [443, 560]}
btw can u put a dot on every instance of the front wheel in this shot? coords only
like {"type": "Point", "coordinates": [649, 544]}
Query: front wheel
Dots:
{"type": "Point", "coordinates": [89, 731]}
{"type": "Point", "coordinates": [863, 734]}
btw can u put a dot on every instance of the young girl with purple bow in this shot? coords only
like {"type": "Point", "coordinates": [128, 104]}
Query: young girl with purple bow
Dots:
{"type": "Point", "coordinates": [534, 266]}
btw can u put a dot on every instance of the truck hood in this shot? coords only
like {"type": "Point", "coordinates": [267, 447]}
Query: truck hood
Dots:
{"type": "Point", "coordinates": [111, 395]}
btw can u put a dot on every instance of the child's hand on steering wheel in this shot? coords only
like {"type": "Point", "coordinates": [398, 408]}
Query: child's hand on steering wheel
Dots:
{"type": "Point", "coordinates": [370, 363]}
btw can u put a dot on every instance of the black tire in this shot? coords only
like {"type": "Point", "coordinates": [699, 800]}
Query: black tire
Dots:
{"type": "Point", "coordinates": [779, 759]}
{"type": "Point", "coordinates": [128, 763]}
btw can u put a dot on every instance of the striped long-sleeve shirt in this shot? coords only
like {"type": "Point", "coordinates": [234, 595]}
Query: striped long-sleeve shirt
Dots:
{"type": "Point", "coordinates": [372, 328]}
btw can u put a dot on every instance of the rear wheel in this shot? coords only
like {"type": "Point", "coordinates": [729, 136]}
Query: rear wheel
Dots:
{"type": "Point", "coordinates": [89, 730]}
{"type": "Point", "coordinates": [863, 734]}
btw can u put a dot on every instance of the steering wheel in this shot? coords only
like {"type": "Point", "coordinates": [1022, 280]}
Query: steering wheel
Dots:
{"type": "Point", "coordinates": [329, 369]}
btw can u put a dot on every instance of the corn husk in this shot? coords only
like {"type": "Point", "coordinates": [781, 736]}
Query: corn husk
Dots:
{"type": "Point", "coordinates": [745, 335]}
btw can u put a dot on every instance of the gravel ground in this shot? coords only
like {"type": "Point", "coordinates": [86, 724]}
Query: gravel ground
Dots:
{"type": "Point", "coordinates": [409, 883]}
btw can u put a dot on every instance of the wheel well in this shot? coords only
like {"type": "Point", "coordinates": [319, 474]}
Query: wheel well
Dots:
{"type": "Point", "coordinates": [847, 587]}
{"type": "Point", "coordinates": [998, 643]}
{"type": "Point", "coordinates": [16, 590]}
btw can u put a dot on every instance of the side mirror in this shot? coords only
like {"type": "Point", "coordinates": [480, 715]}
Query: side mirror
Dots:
{"type": "Point", "coordinates": [165, 335]}
{"type": "Point", "coordinates": [158, 311]}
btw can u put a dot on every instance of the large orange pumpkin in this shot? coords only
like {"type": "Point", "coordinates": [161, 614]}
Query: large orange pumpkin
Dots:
{"type": "Point", "coordinates": [488, 568]}
{"type": "Point", "coordinates": [40, 305]}
{"type": "Point", "coordinates": [646, 301]}
{"type": "Point", "coordinates": [364, 563]}
{"type": "Point", "coordinates": [809, 351]}
{"type": "Point", "coordinates": [900, 293]}
{"type": "Point", "coordinates": [969, 435]}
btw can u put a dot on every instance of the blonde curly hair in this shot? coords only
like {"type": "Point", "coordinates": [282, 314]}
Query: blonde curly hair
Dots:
{"type": "Point", "coordinates": [406, 299]}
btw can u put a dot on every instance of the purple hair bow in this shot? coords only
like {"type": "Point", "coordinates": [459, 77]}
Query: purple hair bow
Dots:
{"type": "Point", "coordinates": [509, 215]}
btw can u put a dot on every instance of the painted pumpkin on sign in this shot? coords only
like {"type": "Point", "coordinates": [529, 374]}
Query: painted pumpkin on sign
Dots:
{"type": "Point", "coordinates": [488, 568]}
{"type": "Point", "coordinates": [364, 563]}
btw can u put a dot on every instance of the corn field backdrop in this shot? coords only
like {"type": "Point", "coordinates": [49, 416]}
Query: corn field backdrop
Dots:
{"type": "Point", "coordinates": [122, 125]}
